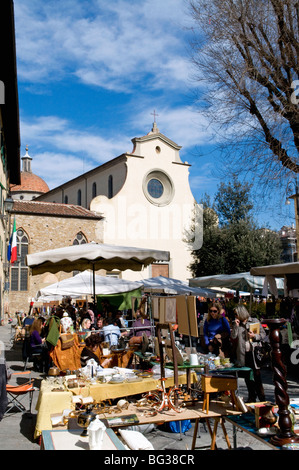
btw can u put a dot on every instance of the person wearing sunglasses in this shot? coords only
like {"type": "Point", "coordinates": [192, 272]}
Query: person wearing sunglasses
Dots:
{"type": "Point", "coordinates": [216, 331]}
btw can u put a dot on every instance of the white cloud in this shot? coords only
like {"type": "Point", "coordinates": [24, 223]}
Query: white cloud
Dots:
{"type": "Point", "coordinates": [114, 45]}
{"type": "Point", "coordinates": [182, 124]}
{"type": "Point", "coordinates": [61, 152]}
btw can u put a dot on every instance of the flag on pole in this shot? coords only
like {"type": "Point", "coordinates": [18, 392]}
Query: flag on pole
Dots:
{"type": "Point", "coordinates": [12, 247]}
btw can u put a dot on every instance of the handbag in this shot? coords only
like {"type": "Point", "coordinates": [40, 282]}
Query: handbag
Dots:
{"type": "Point", "coordinates": [258, 355]}
{"type": "Point", "coordinates": [261, 352]}
{"type": "Point", "coordinates": [67, 341]}
{"type": "Point", "coordinates": [53, 332]}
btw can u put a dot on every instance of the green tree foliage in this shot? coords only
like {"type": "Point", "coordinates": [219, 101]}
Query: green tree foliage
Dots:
{"type": "Point", "coordinates": [237, 243]}
{"type": "Point", "coordinates": [232, 201]}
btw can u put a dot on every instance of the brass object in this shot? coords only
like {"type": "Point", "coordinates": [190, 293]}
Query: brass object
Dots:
{"type": "Point", "coordinates": [85, 418]}
{"type": "Point", "coordinates": [54, 371]}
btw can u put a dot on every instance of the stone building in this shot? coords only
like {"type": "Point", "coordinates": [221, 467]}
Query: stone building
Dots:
{"type": "Point", "coordinates": [44, 226]}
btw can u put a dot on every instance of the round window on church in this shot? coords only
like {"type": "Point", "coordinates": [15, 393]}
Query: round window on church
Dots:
{"type": "Point", "coordinates": [158, 187]}
{"type": "Point", "coordinates": [155, 188]}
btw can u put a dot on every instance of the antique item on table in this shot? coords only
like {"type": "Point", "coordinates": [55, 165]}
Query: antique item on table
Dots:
{"type": "Point", "coordinates": [265, 432]}
{"type": "Point", "coordinates": [264, 416]}
{"type": "Point", "coordinates": [118, 421]}
{"type": "Point", "coordinates": [122, 404]}
{"type": "Point", "coordinates": [85, 418]}
{"type": "Point", "coordinates": [77, 399]}
{"type": "Point", "coordinates": [142, 402]}
{"type": "Point", "coordinates": [87, 401]}
{"type": "Point", "coordinates": [145, 374]}
{"type": "Point", "coordinates": [54, 371]}
{"type": "Point", "coordinates": [116, 379]}
{"type": "Point", "coordinates": [96, 431]}
{"type": "Point", "coordinates": [133, 378]}
{"type": "Point", "coordinates": [72, 383]}
{"type": "Point", "coordinates": [104, 375]}
{"type": "Point", "coordinates": [240, 404]}
{"type": "Point", "coordinates": [193, 360]}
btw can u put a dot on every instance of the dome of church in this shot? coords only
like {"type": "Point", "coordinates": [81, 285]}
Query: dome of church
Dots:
{"type": "Point", "coordinates": [31, 184]}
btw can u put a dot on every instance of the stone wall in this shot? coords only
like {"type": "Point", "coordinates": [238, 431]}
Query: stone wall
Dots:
{"type": "Point", "coordinates": [46, 233]}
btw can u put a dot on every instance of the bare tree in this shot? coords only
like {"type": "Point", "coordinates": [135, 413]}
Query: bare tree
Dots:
{"type": "Point", "coordinates": [246, 54]}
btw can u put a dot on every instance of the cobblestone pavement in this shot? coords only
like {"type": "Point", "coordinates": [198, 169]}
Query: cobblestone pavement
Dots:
{"type": "Point", "coordinates": [17, 431]}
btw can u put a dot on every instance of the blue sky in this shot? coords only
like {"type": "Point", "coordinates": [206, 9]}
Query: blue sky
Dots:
{"type": "Point", "coordinates": [91, 73]}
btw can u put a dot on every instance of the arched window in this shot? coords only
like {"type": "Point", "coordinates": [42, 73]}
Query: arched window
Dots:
{"type": "Point", "coordinates": [110, 187]}
{"type": "Point", "coordinates": [80, 239]}
{"type": "Point", "coordinates": [19, 270]}
{"type": "Point", "coordinates": [94, 190]}
{"type": "Point", "coordinates": [66, 199]}
{"type": "Point", "coordinates": [79, 197]}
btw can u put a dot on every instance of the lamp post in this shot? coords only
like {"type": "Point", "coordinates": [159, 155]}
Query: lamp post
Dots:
{"type": "Point", "coordinates": [295, 197]}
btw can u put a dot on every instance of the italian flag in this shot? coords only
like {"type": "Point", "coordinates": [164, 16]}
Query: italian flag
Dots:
{"type": "Point", "coordinates": [12, 249]}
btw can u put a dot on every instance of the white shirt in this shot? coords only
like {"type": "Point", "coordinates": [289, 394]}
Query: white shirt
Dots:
{"type": "Point", "coordinates": [111, 334]}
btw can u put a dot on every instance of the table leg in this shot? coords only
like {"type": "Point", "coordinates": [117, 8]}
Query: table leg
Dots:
{"type": "Point", "coordinates": [225, 433]}
{"type": "Point", "coordinates": [213, 442]}
{"type": "Point", "coordinates": [195, 433]}
{"type": "Point", "coordinates": [205, 405]}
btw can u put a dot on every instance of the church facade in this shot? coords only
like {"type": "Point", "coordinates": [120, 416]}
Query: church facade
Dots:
{"type": "Point", "coordinates": [145, 200]}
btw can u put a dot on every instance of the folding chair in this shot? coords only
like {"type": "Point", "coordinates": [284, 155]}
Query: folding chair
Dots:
{"type": "Point", "coordinates": [16, 393]}
{"type": "Point", "coordinates": [29, 355]}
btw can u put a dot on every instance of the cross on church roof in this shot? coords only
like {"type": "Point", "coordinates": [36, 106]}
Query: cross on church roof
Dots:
{"type": "Point", "coordinates": [154, 114]}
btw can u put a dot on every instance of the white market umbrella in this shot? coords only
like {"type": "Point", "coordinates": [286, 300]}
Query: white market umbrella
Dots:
{"type": "Point", "coordinates": [96, 256]}
{"type": "Point", "coordinates": [242, 282]}
{"type": "Point", "coordinates": [166, 285]}
{"type": "Point", "coordinates": [277, 270]}
{"type": "Point", "coordinates": [82, 284]}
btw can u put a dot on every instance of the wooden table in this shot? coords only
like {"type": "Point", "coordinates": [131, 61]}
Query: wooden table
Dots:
{"type": "Point", "coordinates": [51, 402]}
{"type": "Point", "coordinates": [217, 412]}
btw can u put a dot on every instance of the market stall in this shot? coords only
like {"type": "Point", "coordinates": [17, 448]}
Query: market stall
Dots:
{"type": "Point", "coordinates": [55, 395]}
{"type": "Point", "coordinates": [248, 281]}
{"type": "Point", "coordinates": [85, 283]}
{"type": "Point", "coordinates": [288, 271]}
{"type": "Point", "coordinates": [94, 256]}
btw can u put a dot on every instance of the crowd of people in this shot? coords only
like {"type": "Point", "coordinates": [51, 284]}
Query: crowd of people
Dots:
{"type": "Point", "coordinates": [109, 326]}
{"type": "Point", "coordinates": [228, 335]}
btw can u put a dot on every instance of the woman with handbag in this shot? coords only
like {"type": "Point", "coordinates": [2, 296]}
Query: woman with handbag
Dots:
{"type": "Point", "coordinates": [246, 342]}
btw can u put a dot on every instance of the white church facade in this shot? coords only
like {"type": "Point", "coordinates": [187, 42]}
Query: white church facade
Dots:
{"type": "Point", "coordinates": [145, 199]}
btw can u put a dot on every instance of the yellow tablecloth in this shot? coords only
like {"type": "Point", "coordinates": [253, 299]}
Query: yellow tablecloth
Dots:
{"type": "Point", "coordinates": [50, 402]}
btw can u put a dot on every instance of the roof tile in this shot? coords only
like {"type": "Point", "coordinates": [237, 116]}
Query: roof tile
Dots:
{"type": "Point", "coordinates": [53, 209]}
